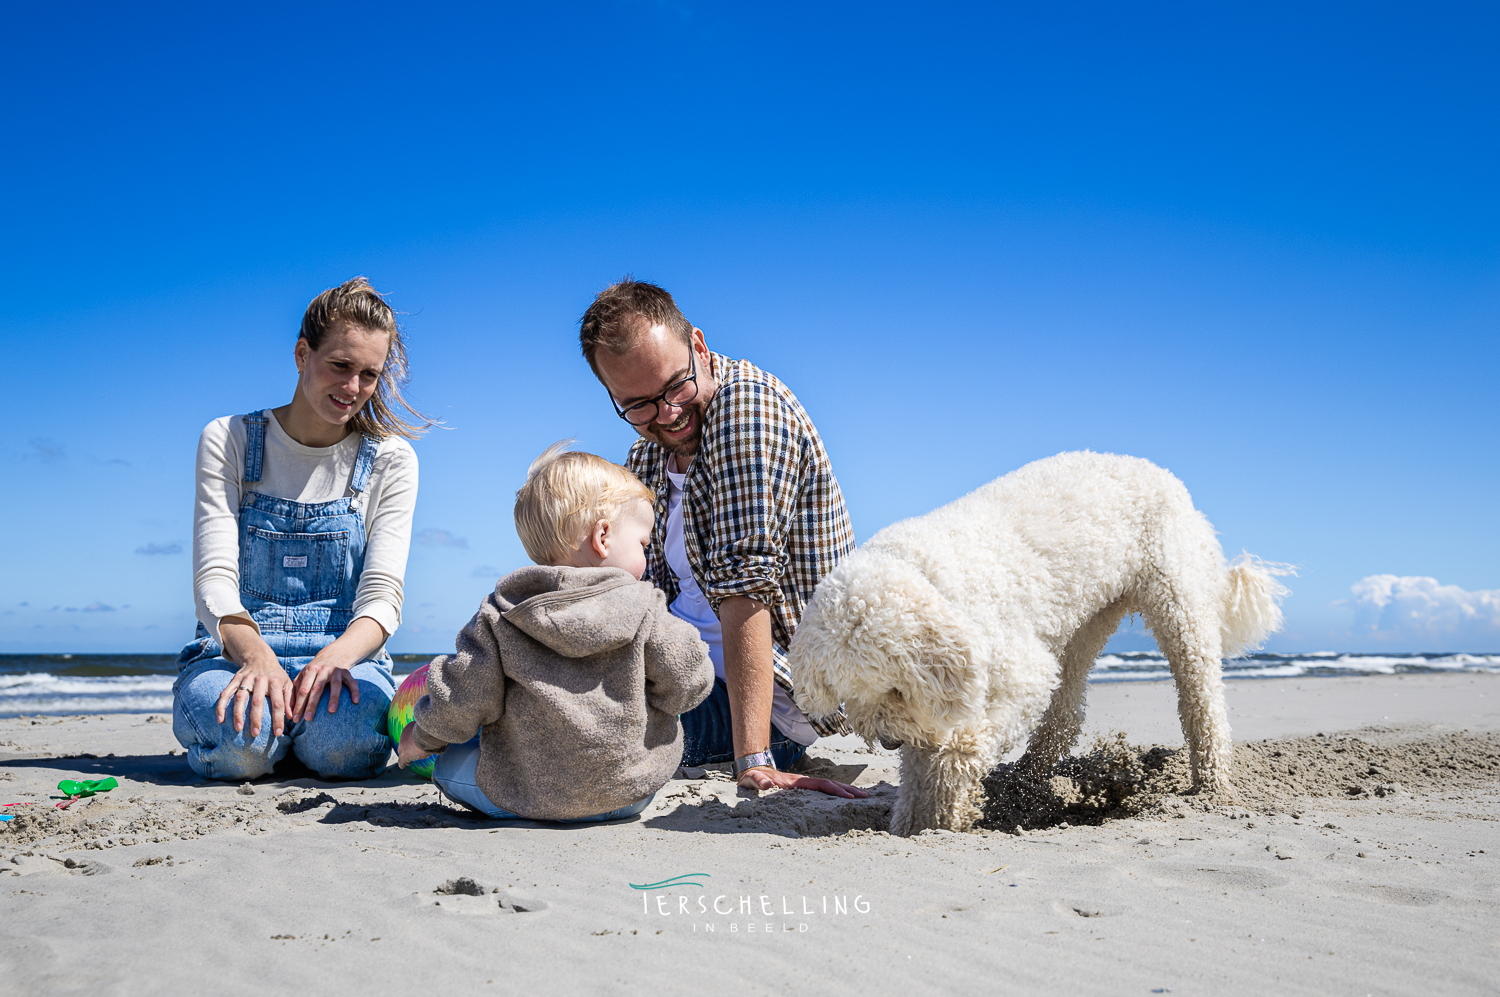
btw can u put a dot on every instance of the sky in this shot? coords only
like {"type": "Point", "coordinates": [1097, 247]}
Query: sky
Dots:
{"type": "Point", "coordinates": [1257, 244]}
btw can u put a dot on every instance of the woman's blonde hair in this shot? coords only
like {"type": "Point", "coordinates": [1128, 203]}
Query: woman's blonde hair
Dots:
{"type": "Point", "coordinates": [566, 493]}
{"type": "Point", "coordinates": [357, 303]}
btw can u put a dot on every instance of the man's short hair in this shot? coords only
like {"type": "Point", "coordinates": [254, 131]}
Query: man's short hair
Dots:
{"type": "Point", "coordinates": [622, 312]}
{"type": "Point", "coordinates": [566, 493]}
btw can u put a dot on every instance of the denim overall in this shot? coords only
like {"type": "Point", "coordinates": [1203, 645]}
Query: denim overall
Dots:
{"type": "Point", "coordinates": [299, 569]}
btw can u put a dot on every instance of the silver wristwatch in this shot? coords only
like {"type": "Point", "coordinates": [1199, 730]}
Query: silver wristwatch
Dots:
{"type": "Point", "coordinates": [752, 761]}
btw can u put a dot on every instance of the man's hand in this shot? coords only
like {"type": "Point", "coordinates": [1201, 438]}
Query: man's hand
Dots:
{"type": "Point", "coordinates": [408, 751]}
{"type": "Point", "coordinates": [764, 777]}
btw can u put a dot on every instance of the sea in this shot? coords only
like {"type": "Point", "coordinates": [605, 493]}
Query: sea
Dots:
{"type": "Point", "coordinates": [58, 684]}
{"type": "Point", "coordinates": [66, 684]}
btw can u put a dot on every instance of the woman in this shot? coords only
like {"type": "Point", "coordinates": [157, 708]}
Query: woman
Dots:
{"type": "Point", "coordinates": [300, 537]}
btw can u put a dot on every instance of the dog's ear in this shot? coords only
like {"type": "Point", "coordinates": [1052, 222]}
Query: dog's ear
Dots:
{"type": "Point", "coordinates": [817, 651]}
{"type": "Point", "coordinates": [877, 628]}
{"type": "Point", "coordinates": [946, 679]}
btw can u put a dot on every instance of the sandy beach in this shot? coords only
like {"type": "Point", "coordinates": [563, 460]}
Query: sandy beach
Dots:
{"type": "Point", "coordinates": [1360, 859]}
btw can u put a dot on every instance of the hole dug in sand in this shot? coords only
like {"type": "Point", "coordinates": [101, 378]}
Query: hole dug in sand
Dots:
{"type": "Point", "coordinates": [466, 896]}
{"type": "Point", "coordinates": [305, 803]}
{"type": "Point", "coordinates": [1115, 779]}
{"type": "Point", "coordinates": [462, 886]}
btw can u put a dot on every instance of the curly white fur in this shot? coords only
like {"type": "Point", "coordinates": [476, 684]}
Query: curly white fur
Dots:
{"type": "Point", "coordinates": [960, 632]}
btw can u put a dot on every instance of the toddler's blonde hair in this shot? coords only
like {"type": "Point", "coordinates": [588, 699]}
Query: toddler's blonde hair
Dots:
{"type": "Point", "coordinates": [566, 493]}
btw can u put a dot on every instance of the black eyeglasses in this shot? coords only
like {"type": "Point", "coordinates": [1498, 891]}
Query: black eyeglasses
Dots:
{"type": "Point", "coordinates": [678, 393]}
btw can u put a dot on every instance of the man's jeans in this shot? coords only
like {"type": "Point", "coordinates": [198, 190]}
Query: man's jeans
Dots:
{"type": "Point", "coordinates": [708, 739]}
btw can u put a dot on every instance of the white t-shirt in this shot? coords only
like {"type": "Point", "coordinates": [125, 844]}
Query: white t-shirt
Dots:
{"type": "Point", "coordinates": [693, 606]}
{"type": "Point", "coordinates": [292, 471]}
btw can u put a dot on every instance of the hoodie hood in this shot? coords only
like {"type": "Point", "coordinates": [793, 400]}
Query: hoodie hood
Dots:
{"type": "Point", "coordinates": [576, 612]}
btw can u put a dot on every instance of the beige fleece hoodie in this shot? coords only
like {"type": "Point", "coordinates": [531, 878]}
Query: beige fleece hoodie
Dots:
{"type": "Point", "coordinates": [574, 678]}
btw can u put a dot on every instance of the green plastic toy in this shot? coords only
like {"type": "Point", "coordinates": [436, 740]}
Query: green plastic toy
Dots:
{"type": "Point", "coordinates": [87, 787]}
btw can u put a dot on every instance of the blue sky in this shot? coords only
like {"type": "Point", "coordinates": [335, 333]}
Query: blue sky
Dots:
{"type": "Point", "coordinates": [1257, 244]}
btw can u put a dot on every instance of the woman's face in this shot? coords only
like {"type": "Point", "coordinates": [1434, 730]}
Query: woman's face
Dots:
{"type": "Point", "coordinates": [339, 376]}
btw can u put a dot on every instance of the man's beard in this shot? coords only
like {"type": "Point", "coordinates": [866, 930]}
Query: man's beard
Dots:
{"type": "Point", "coordinates": [687, 446]}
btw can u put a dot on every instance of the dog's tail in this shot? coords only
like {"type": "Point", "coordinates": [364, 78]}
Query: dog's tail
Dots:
{"type": "Point", "coordinates": [1252, 602]}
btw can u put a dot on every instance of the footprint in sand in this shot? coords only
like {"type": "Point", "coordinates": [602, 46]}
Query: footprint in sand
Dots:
{"type": "Point", "coordinates": [466, 896]}
{"type": "Point", "coordinates": [87, 867]}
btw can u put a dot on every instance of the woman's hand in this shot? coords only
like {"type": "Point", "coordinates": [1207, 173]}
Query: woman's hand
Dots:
{"type": "Point", "coordinates": [330, 669]}
{"type": "Point", "coordinates": [764, 777]}
{"type": "Point", "coordinates": [319, 674]}
{"type": "Point", "coordinates": [259, 678]}
{"type": "Point", "coordinates": [408, 751]}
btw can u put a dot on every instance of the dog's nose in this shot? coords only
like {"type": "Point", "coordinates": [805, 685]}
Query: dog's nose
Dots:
{"type": "Point", "coordinates": [889, 743]}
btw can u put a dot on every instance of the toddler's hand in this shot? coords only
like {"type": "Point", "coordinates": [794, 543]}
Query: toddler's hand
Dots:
{"type": "Point", "coordinates": [408, 751]}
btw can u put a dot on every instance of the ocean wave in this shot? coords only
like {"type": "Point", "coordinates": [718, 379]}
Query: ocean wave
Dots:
{"type": "Point", "coordinates": [44, 693]}
{"type": "Point", "coordinates": [1151, 666]}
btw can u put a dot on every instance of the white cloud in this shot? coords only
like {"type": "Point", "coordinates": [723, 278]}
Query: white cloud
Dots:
{"type": "Point", "coordinates": [1445, 617]}
{"type": "Point", "coordinates": [154, 549]}
{"type": "Point", "coordinates": [440, 538]}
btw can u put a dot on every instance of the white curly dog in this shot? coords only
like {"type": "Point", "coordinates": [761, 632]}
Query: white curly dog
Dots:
{"type": "Point", "coordinates": [959, 632]}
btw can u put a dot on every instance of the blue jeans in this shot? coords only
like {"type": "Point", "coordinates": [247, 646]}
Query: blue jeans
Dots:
{"type": "Point", "coordinates": [348, 744]}
{"type": "Point", "coordinates": [454, 775]}
{"type": "Point", "coordinates": [708, 739]}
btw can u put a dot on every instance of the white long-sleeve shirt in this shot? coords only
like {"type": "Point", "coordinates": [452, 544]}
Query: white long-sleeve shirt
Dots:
{"type": "Point", "coordinates": [299, 474]}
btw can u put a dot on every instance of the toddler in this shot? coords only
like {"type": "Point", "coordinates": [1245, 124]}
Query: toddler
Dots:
{"type": "Point", "coordinates": [572, 671]}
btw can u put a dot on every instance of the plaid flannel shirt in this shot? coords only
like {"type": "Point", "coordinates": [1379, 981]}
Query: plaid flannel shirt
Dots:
{"type": "Point", "coordinates": [762, 513]}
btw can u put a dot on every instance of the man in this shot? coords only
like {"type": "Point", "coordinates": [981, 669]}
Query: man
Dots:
{"type": "Point", "coordinates": [749, 518]}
